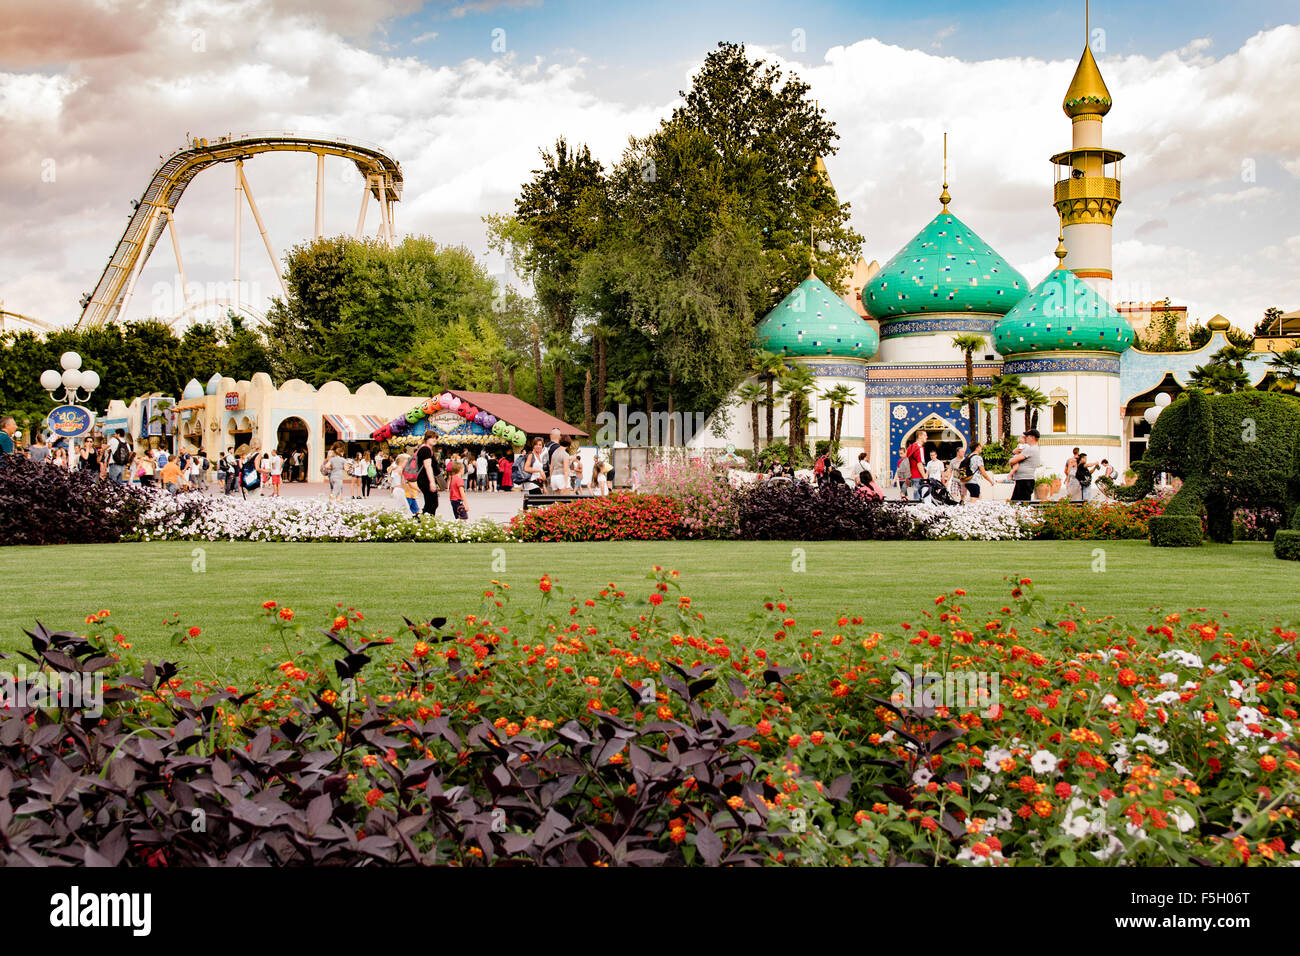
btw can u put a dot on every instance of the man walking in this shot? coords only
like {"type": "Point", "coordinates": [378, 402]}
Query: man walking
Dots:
{"type": "Point", "coordinates": [1026, 462]}
{"type": "Point", "coordinates": [915, 455]}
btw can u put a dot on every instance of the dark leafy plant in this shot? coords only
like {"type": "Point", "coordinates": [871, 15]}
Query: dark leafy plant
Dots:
{"type": "Point", "coordinates": [41, 504]}
{"type": "Point", "coordinates": [796, 510]}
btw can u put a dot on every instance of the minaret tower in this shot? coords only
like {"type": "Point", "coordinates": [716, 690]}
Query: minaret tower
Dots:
{"type": "Point", "coordinates": [1086, 192]}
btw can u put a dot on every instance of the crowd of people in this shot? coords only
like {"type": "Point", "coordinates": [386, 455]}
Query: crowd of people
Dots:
{"type": "Point", "coordinates": [921, 474]}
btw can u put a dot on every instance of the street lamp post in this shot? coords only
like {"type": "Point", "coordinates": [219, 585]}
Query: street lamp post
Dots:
{"type": "Point", "coordinates": [71, 383]}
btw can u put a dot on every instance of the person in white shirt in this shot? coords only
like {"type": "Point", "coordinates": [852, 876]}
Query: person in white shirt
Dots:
{"type": "Point", "coordinates": [934, 467]}
{"type": "Point", "coordinates": [277, 472]}
{"type": "Point", "coordinates": [481, 470]}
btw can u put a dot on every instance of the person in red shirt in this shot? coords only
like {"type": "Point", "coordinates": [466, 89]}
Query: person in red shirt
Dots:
{"type": "Point", "coordinates": [456, 491]}
{"type": "Point", "coordinates": [916, 459]}
{"type": "Point", "coordinates": [506, 467]}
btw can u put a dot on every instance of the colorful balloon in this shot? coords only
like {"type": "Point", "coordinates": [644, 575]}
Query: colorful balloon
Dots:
{"type": "Point", "coordinates": [489, 420]}
{"type": "Point", "coordinates": [430, 406]}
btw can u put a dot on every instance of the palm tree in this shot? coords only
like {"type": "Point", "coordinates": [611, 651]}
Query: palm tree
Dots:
{"type": "Point", "coordinates": [796, 385]}
{"type": "Point", "coordinates": [1006, 388]}
{"type": "Point", "coordinates": [558, 351]}
{"type": "Point", "coordinates": [968, 344]}
{"type": "Point", "coordinates": [752, 393]}
{"type": "Point", "coordinates": [600, 337]}
{"type": "Point", "coordinates": [973, 398]}
{"type": "Point", "coordinates": [768, 366]}
{"type": "Point", "coordinates": [1031, 400]}
{"type": "Point", "coordinates": [840, 397]}
{"type": "Point", "coordinates": [513, 362]}
{"type": "Point", "coordinates": [537, 361]}
{"type": "Point", "coordinates": [588, 423]}
{"type": "Point", "coordinates": [1225, 372]}
{"type": "Point", "coordinates": [1287, 364]}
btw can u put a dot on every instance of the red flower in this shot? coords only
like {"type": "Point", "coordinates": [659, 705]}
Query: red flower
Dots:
{"type": "Point", "coordinates": [195, 631]}
{"type": "Point", "coordinates": [374, 795]}
{"type": "Point", "coordinates": [656, 599]}
{"type": "Point", "coordinates": [544, 584]}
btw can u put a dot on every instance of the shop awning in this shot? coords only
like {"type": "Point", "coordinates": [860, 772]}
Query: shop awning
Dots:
{"type": "Point", "coordinates": [354, 427]}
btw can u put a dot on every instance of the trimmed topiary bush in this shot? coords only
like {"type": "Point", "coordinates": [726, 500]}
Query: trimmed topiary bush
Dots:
{"type": "Point", "coordinates": [1175, 531]}
{"type": "Point", "coordinates": [1231, 451]}
{"type": "Point", "coordinates": [1286, 545]}
{"type": "Point", "coordinates": [800, 511]}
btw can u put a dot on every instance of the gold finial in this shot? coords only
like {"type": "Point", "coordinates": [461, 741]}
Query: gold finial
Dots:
{"type": "Point", "coordinates": [1060, 250]}
{"type": "Point", "coordinates": [1087, 94]}
{"type": "Point", "coordinates": [943, 196]}
{"type": "Point", "coordinates": [1087, 22]}
{"type": "Point", "coordinates": [812, 252]}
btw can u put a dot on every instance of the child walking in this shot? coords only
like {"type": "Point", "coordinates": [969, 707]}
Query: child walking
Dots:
{"type": "Point", "coordinates": [456, 491]}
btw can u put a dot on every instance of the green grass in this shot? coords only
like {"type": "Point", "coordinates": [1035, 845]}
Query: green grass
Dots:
{"type": "Point", "coordinates": [885, 582]}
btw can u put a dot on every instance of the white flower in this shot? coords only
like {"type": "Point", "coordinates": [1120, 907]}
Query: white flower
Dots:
{"type": "Point", "coordinates": [1169, 678]}
{"type": "Point", "coordinates": [1241, 817]}
{"type": "Point", "coordinates": [1006, 819]}
{"type": "Point", "coordinates": [980, 782]}
{"type": "Point", "coordinates": [1147, 742]}
{"type": "Point", "coordinates": [1043, 762]}
{"type": "Point", "coordinates": [1113, 846]}
{"type": "Point", "coordinates": [1076, 826]}
{"type": "Point", "coordinates": [922, 776]}
{"type": "Point", "coordinates": [1109, 700]}
{"type": "Point", "coordinates": [1249, 715]}
{"type": "Point", "coordinates": [993, 757]}
{"type": "Point", "coordinates": [1183, 820]}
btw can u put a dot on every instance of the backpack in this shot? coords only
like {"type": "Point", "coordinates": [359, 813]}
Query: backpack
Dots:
{"type": "Point", "coordinates": [121, 454]}
{"type": "Point", "coordinates": [547, 452]}
{"type": "Point", "coordinates": [964, 473]}
{"type": "Point", "coordinates": [517, 476]}
{"type": "Point", "coordinates": [411, 470]}
{"type": "Point", "coordinates": [1084, 476]}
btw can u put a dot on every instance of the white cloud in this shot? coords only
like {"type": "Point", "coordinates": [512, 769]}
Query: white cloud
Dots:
{"type": "Point", "coordinates": [468, 134]}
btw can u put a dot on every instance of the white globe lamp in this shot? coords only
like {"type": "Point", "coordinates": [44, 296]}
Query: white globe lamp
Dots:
{"type": "Point", "coordinates": [90, 380]}
{"type": "Point", "coordinates": [70, 360]}
{"type": "Point", "coordinates": [1151, 414]}
{"type": "Point", "coordinates": [1163, 399]}
{"type": "Point", "coordinates": [50, 380]}
{"type": "Point", "coordinates": [72, 379]}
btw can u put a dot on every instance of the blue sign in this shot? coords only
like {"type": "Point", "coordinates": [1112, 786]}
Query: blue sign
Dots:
{"type": "Point", "coordinates": [70, 421]}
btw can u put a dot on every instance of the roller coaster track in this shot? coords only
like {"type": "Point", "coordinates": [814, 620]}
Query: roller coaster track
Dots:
{"type": "Point", "coordinates": [380, 172]}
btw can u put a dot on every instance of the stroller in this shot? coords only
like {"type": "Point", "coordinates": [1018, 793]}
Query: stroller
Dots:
{"type": "Point", "coordinates": [934, 491]}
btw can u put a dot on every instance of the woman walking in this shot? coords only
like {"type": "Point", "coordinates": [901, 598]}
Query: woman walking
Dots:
{"type": "Point", "coordinates": [335, 470]}
{"type": "Point", "coordinates": [368, 473]}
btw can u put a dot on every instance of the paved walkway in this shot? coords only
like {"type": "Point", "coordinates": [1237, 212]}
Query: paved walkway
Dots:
{"type": "Point", "coordinates": [498, 505]}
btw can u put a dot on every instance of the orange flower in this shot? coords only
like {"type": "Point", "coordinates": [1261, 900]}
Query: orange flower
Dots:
{"type": "Point", "coordinates": [286, 614]}
{"type": "Point", "coordinates": [374, 795]}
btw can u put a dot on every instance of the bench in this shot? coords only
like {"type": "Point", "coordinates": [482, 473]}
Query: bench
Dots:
{"type": "Point", "coordinates": [541, 501]}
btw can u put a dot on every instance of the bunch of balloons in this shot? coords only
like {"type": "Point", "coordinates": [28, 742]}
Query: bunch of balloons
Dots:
{"type": "Point", "coordinates": [449, 402]}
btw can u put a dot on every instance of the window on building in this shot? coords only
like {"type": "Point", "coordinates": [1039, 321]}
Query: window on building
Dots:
{"type": "Point", "coordinates": [1058, 417]}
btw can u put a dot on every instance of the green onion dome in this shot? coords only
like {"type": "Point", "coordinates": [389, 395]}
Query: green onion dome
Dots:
{"type": "Point", "coordinates": [812, 320]}
{"type": "Point", "coordinates": [1062, 314]}
{"type": "Point", "coordinates": [946, 267]}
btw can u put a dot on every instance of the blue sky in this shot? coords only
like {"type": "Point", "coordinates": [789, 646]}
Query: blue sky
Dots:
{"type": "Point", "coordinates": [648, 37]}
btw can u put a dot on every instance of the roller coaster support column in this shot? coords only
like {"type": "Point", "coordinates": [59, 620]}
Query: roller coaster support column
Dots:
{"type": "Point", "coordinates": [365, 201]}
{"type": "Point", "coordinates": [266, 240]}
{"type": "Point", "coordinates": [320, 193]}
{"type": "Point", "coordinates": [176, 248]}
{"type": "Point", "coordinates": [139, 264]}
{"type": "Point", "coordinates": [239, 215]}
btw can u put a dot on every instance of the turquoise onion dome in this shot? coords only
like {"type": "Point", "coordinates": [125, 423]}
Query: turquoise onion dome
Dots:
{"type": "Point", "coordinates": [812, 320]}
{"type": "Point", "coordinates": [1062, 314]}
{"type": "Point", "coordinates": [945, 267]}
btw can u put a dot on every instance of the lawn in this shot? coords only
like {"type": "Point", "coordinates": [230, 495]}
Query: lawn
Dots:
{"type": "Point", "coordinates": [222, 589]}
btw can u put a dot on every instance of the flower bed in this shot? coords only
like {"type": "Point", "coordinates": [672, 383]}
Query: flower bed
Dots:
{"type": "Point", "coordinates": [619, 517]}
{"type": "Point", "coordinates": [197, 516]}
{"type": "Point", "coordinates": [704, 491]}
{"type": "Point", "coordinates": [1062, 520]}
{"type": "Point", "coordinates": [616, 728]}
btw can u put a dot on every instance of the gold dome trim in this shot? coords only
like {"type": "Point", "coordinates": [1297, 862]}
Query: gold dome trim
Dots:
{"type": "Point", "coordinates": [1087, 94]}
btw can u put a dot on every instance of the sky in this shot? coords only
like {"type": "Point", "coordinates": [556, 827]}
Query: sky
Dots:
{"type": "Point", "coordinates": [464, 93]}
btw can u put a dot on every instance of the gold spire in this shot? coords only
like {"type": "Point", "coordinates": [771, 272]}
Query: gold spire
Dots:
{"type": "Point", "coordinates": [1087, 95]}
{"type": "Point", "coordinates": [1060, 250]}
{"type": "Point", "coordinates": [943, 196]}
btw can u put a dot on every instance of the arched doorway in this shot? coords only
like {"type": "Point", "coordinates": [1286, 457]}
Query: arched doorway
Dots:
{"type": "Point", "coordinates": [1138, 428]}
{"type": "Point", "coordinates": [291, 437]}
{"type": "Point", "coordinates": [940, 436]}
{"type": "Point", "coordinates": [239, 433]}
